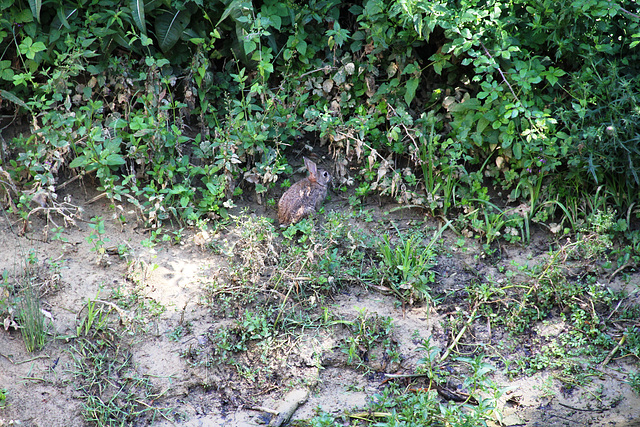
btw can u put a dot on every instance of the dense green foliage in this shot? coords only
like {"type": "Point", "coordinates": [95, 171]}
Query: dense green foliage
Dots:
{"type": "Point", "coordinates": [502, 112]}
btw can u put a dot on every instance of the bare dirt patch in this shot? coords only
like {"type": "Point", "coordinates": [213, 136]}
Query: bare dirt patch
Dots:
{"type": "Point", "coordinates": [168, 328]}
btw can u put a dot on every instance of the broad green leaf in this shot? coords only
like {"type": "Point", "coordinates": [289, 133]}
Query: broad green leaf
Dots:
{"type": "Point", "coordinates": [35, 6]}
{"type": "Point", "coordinates": [23, 16]}
{"type": "Point", "coordinates": [470, 104]}
{"type": "Point", "coordinates": [6, 73]}
{"type": "Point", "coordinates": [169, 28]}
{"type": "Point", "coordinates": [137, 11]}
{"type": "Point", "coordinates": [95, 69]}
{"type": "Point", "coordinates": [62, 18]}
{"type": "Point", "coordinates": [113, 145]}
{"type": "Point", "coordinates": [276, 22]}
{"type": "Point", "coordinates": [482, 124]}
{"type": "Point", "coordinates": [551, 79]}
{"type": "Point", "coordinates": [11, 97]}
{"type": "Point", "coordinates": [437, 67]}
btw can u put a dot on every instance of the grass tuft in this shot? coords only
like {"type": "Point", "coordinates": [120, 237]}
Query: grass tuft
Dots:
{"type": "Point", "coordinates": [32, 324]}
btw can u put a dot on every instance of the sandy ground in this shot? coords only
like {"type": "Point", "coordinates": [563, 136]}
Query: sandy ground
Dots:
{"type": "Point", "coordinates": [42, 390]}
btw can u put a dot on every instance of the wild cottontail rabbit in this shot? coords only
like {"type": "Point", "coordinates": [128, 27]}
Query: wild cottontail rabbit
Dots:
{"type": "Point", "coordinates": [305, 196]}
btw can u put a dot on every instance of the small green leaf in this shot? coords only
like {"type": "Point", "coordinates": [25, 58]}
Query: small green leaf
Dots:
{"type": "Point", "coordinates": [38, 47]}
{"type": "Point", "coordinates": [114, 159]}
{"type": "Point", "coordinates": [551, 79]}
{"type": "Point", "coordinates": [409, 69]}
{"type": "Point", "coordinates": [6, 73]}
{"type": "Point", "coordinates": [301, 47]}
{"type": "Point", "coordinates": [517, 150]}
{"type": "Point", "coordinates": [437, 67]}
{"type": "Point", "coordinates": [410, 89]}
{"type": "Point", "coordinates": [249, 46]}
{"type": "Point", "coordinates": [78, 161]}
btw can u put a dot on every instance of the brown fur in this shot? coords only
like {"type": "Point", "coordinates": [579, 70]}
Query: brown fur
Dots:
{"type": "Point", "coordinates": [305, 196]}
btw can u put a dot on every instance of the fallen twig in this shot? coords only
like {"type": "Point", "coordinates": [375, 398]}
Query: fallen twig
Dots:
{"type": "Point", "coordinates": [615, 273]}
{"type": "Point", "coordinates": [615, 349]}
{"type": "Point", "coordinates": [291, 402]}
{"type": "Point", "coordinates": [460, 334]}
{"type": "Point", "coordinates": [365, 416]}
{"type": "Point", "coordinates": [44, 356]}
{"type": "Point", "coordinates": [263, 409]}
{"type": "Point", "coordinates": [583, 409]}
{"type": "Point", "coordinates": [37, 379]}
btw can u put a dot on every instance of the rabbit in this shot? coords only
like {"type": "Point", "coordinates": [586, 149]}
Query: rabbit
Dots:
{"type": "Point", "coordinates": [305, 196]}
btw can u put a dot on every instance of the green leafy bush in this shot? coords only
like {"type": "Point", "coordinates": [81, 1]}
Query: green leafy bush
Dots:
{"type": "Point", "coordinates": [503, 113]}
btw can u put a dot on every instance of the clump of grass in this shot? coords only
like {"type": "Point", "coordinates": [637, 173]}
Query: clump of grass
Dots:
{"type": "Point", "coordinates": [4, 393]}
{"type": "Point", "coordinates": [367, 333]}
{"type": "Point", "coordinates": [32, 324]}
{"type": "Point", "coordinates": [95, 319]}
{"type": "Point", "coordinates": [409, 266]}
{"type": "Point", "coordinates": [564, 291]}
{"type": "Point", "coordinates": [20, 298]}
{"type": "Point", "coordinates": [254, 248]}
{"type": "Point", "coordinates": [252, 253]}
{"type": "Point", "coordinates": [7, 301]}
{"type": "Point", "coordinates": [113, 392]}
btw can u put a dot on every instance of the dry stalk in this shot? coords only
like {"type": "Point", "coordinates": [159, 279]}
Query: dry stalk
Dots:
{"type": "Point", "coordinates": [460, 334]}
{"type": "Point", "coordinates": [615, 349]}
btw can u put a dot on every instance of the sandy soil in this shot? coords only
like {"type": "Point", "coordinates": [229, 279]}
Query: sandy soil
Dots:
{"type": "Point", "coordinates": [42, 390]}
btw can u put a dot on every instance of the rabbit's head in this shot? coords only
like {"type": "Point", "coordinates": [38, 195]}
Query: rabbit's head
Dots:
{"type": "Point", "coordinates": [319, 176]}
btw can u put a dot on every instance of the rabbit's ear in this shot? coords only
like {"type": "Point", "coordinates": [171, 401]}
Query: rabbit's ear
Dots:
{"type": "Point", "coordinates": [311, 167]}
